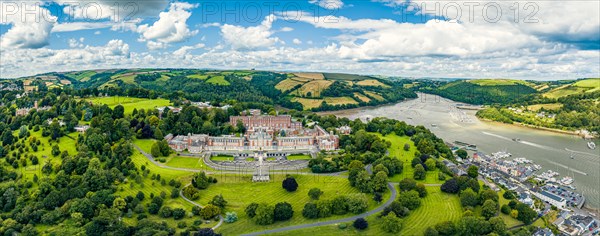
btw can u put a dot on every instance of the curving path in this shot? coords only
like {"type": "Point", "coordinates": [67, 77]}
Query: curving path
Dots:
{"type": "Point", "coordinates": [363, 215]}
{"type": "Point", "coordinates": [196, 204]}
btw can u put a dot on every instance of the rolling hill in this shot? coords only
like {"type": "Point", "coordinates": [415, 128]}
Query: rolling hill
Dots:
{"type": "Point", "coordinates": [485, 91]}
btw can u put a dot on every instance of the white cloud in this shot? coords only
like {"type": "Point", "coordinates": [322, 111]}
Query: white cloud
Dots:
{"type": "Point", "coordinates": [184, 50]}
{"type": "Point", "coordinates": [253, 37]}
{"type": "Point", "coordinates": [76, 26]}
{"type": "Point", "coordinates": [286, 29]}
{"type": "Point", "coordinates": [328, 4]}
{"type": "Point", "coordinates": [30, 32]}
{"type": "Point", "coordinates": [297, 41]}
{"type": "Point", "coordinates": [171, 27]}
{"type": "Point", "coordinates": [117, 11]}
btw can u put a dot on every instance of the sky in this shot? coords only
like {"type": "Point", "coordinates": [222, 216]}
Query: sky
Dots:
{"type": "Point", "coordinates": [538, 40]}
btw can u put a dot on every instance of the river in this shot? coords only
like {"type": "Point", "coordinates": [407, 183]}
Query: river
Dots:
{"type": "Point", "coordinates": [549, 149]}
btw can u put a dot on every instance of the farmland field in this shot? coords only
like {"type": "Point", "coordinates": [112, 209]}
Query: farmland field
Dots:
{"type": "Point", "coordinates": [493, 82]}
{"type": "Point", "coordinates": [372, 82]}
{"type": "Point", "coordinates": [219, 80]}
{"type": "Point", "coordinates": [340, 100]}
{"type": "Point", "coordinates": [313, 76]}
{"type": "Point", "coordinates": [308, 103]}
{"type": "Point", "coordinates": [549, 106]}
{"type": "Point", "coordinates": [339, 76]}
{"type": "Point", "coordinates": [197, 76]}
{"type": "Point", "coordinates": [240, 191]}
{"type": "Point", "coordinates": [314, 88]}
{"type": "Point", "coordinates": [362, 97]}
{"type": "Point", "coordinates": [374, 95]}
{"type": "Point", "coordinates": [130, 103]}
{"type": "Point", "coordinates": [287, 85]}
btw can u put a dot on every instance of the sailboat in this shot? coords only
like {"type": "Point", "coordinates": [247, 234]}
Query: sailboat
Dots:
{"type": "Point", "coordinates": [591, 145]}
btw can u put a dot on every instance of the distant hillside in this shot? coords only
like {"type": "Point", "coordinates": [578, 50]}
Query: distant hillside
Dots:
{"type": "Point", "coordinates": [581, 86]}
{"type": "Point", "coordinates": [308, 91]}
{"type": "Point", "coordinates": [484, 91]}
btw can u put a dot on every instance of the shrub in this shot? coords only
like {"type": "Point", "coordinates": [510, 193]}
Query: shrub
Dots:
{"type": "Point", "coordinates": [407, 184]}
{"type": "Point", "coordinates": [209, 212]}
{"type": "Point", "coordinates": [342, 226]}
{"type": "Point", "coordinates": [231, 217]}
{"type": "Point", "coordinates": [391, 223]}
{"type": "Point", "coordinates": [310, 211]}
{"type": "Point", "coordinates": [178, 213]}
{"type": "Point", "coordinates": [360, 224]}
{"type": "Point", "coordinates": [219, 201]}
{"type": "Point", "coordinates": [290, 184]}
{"type": "Point", "coordinates": [251, 210]}
{"type": "Point", "coordinates": [264, 214]}
{"type": "Point", "coordinates": [315, 193]}
{"type": "Point", "coordinates": [165, 212]}
{"type": "Point", "coordinates": [283, 211]}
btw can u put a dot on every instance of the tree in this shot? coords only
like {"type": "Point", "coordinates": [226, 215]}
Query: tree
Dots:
{"type": "Point", "coordinates": [489, 209]}
{"type": "Point", "coordinates": [488, 195]}
{"type": "Point", "coordinates": [419, 173]}
{"type": "Point", "coordinates": [219, 201]}
{"type": "Point", "coordinates": [165, 212]}
{"type": "Point", "coordinates": [473, 171]}
{"type": "Point", "coordinates": [140, 195]}
{"type": "Point", "coordinates": [231, 217]}
{"type": "Point", "coordinates": [381, 167]}
{"type": "Point", "coordinates": [210, 211]}
{"type": "Point", "coordinates": [430, 231]}
{"type": "Point", "coordinates": [360, 224]}
{"type": "Point", "coordinates": [422, 190]}
{"type": "Point", "coordinates": [430, 164]}
{"type": "Point", "coordinates": [508, 195]}
{"type": "Point", "coordinates": [315, 193]}
{"type": "Point", "coordinates": [178, 213]}
{"type": "Point", "coordinates": [498, 225]}
{"type": "Point", "coordinates": [406, 147]}
{"type": "Point", "coordinates": [290, 184]}
{"type": "Point", "coordinates": [118, 112]}
{"type": "Point", "coordinates": [469, 198]}
{"type": "Point", "coordinates": [283, 211]}
{"type": "Point", "coordinates": [471, 225]}
{"type": "Point", "coordinates": [526, 214]}
{"type": "Point", "coordinates": [206, 232]}
{"type": "Point", "coordinates": [379, 182]}
{"type": "Point", "coordinates": [446, 228]}
{"type": "Point", "coordinates": [339, 205]}
{"type": "Point", "coordinates": [407, 184]}
{"type": "Point", "coordinates": [200, 181]}
{"type": "Point", "coordinates": [310, 211]}
{"type": "Point", "coordinates": [55, 150]}
{"type": "Point", "coordinates": [505, 209]}
{"type": "Point", "coordinates": [450, 186]}
{"type": "Point", "coordinates": [155, 150]}
{"type": "Point", "coordinates": [357, 203]}
{"type": "Point", "coordinates": [461, 153]}
{"type": "Point", "coordinates": [410, 199]}
{"type": "Point", "coordinates": [251, 210]}
{"type": "Point", "coordinates": [7, 137]}
{"type": "Point", "coordinates": [390, 223]}
{"type": "Point", "coordinates": [264, 214]}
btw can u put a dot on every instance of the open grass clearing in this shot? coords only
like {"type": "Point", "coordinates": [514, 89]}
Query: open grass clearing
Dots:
{"type": "Point", "coordinates": [308, 103]}
{"type": "Point", "coordinates": [313, 88]}
{"type": "Point", "coordinates": [361, 97]}
{"type": "Point", "coordinates": [374, 95]}
{"type": "Point", "coordinates": [287, 84]}
{"type": "Point", "coordinates": [130, 103]}
{"type": "Point", "coordinates": [312, 76]}
{"type": "Point", "coordinates": [340, 100]}
{"type": "Point", "coordinates": [218, 80]}
{"type": "Point", "coordinates": [495, 82]}
{"type": "Point", "coordinates": [198, 76]}
{"type": "Point", "coordinates": [549, 106]}
{"type": "Point", "coordinates": [240, 191]}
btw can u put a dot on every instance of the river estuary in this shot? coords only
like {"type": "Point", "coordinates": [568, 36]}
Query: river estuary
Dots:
{"type": "Point", "coordinates": [565, 154]}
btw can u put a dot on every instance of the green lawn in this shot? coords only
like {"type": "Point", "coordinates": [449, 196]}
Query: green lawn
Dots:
{"type": "Point", "coordinates": [144, 144]}
{"type": "Point", "coordinates": [298, 157]}
{"type": "Point", "coordinates": [130, 103]}
{"type": "Point", "coordinates": [197, 76]}
{"type": "Point", "coordinates": [219, 80]}
{"type": "Point", "coordinates": [240, 191]}
{"type": "Point", "coordinates": [437, 207]}
{"type": "Point", "coordinates": [397, 150]}
{"type": "Point", "coordinates": [222, 158]}
{"type": "Point", "coordinates": [510, 222]}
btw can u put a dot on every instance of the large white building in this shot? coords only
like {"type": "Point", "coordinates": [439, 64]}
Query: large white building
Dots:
{"type": "Point", "coordinates": [551, 198]}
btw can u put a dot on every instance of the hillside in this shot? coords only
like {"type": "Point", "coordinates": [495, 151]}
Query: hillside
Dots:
{"type": "Point", "coordinates": [302, 91]}
{"type": "Point", "coordinates": [484, 91]}
{"type": "Point", "coordinates": [581, 86]}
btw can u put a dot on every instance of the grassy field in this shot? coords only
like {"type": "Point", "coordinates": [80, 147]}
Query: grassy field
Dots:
{"type": "Point", "coordinates": [437, 207]}
{"type": "Point", "coordinates": [222, 158]}
{"type": "Point", "coordinates": [197, 76]}
{"type": "Point", "coordinates": [374, 95]}
{"type": "Point", "coordinates": [549, 106]}
{"type": "Point", "coordinates": [312, 76]}
{"type": "Point", "coordinates": [372, 82]}
{"type": "Point", "coordinates": [240, 191]}
{"type": "Point", "coordinates": [314, 88]}
{"type": "Point", "coordinates": [287, 85]}
{"type": "Point", "coordinates": [492, 82]}
{"type": "Point", "coordinates": [581, 86]}
{"type": "Point", "coordinates": [298, 157]}
{"type": "Point", "coordinates": [510, 222]}
{"type": "Point", "coordinates": [308, 103]}
{"type": "Point", "coordinates": [361, 97]}
{"type": "Point", "coordinates": [219, 80]}
{"type": "Point", "coordinates": [130, 103]}
{"type": "Point", "coordinates": [340, 100]}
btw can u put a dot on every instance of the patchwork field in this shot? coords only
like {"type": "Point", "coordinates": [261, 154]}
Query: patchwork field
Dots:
{"type": "Point", "coordinates": [197, 76]}
{"type": "Point", "coordinates": [437, 207]}
{"type": "Point", "coordinates": [313, 76]}
{"type": "Point", "coordinates": [491, 82]}
{"type": "Point", "coordinates": [219, 80]}
{"type": "Point", "coordinates": [361, 97]}
{"type": "Point", "coordinates": [374, 95]}
{"type": "Point", "coordinates": [313, 88]}
{"type": "Point", "coordinates": [287, 85]}
{"type": "Point", "coordinates": [340, 76]}
{"type": "Point", "coordinates": [130, 103]}
{"type": "Point", "coordinates": [340, 100]}
{"type": "Point", "coordinates": [582, 86]}
{"type": "Point", "coordinates": [308, 103]}
{"type": "Point", "coordinates": [372, 82]}
{"type": "Point", "coordinates": [549, 106]}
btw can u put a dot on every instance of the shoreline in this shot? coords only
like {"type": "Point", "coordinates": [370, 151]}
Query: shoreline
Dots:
{"type": "Point", "coordinates": [518, 124]}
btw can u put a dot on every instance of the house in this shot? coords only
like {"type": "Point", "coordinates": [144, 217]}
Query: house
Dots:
{"type": "Point", "coordinates": [82, 128]}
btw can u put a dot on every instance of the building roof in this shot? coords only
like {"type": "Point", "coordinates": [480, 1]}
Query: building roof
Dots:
{"type": "Point", "coordinates": [552, 196]}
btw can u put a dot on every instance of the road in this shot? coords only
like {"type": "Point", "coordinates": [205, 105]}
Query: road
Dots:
{"type": "Point", "coordinates": [347, 219]}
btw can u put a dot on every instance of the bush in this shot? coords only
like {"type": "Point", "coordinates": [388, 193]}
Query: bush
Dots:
{"type": "Point", "coordinates": [283, 211]}
{"type": "Point", "coordinates": [430, 231]}
{"type": "Point", "coordinates": [181, 224]}
{"type": "Point", "coordinates": [264, 214]}
{"type": "Point", "coordinates": [450, 186]}
{"type": "Point", "coordinates": [407, 184]}
{"type": "Point", "coordinates": [360, 224]}
{"type": "Point", "coordinates": [421, 190]}
{"type": "Point", "coordinates": [342, 226]}
{"type": "Point", "coordinates": [219, 201]}
{"type": "Point", "coordinates": [251, 210]}
{"type": "Point", "coordinates": [419, 173]}
{"type": "Point", "coordinates": [165, 212]}
{"type": "Point", "coordinates": [315, 193]}
{"type": "Point", "coordinates": [209, 212]}
{"type": "Point", "coordinates": [410, 199]}
{"type": "Point", "coordinates": [178, 213]}
{"type": "Point", "coordinates": [310, 211]}
{"type": "Point", "coordinates": [196, 210]}
{"type": "Point", "coordinates": [231, 217]}
{"type": "Point", "coordinates": [391, 223]}
{"type": "Point", "coordinates": [505, 209]}
{"type": "Point", "coordinates": [358, 203]}
{"type": "Point", "coordinates": [290, 184]}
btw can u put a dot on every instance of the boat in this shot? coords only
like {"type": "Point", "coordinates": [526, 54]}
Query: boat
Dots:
{"type": "Point", "coordinates": [591, 145]}
{"type": "Point", "coordinates": [516, 140]}
{"type": "Point", "coordinates": [566, 181]}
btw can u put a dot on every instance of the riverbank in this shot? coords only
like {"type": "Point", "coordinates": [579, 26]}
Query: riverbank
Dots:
{"type": "Point", "coordinates": [553, 130]}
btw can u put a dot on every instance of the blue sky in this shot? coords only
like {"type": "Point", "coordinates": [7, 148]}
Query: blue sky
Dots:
{"type": "Point", "coordinates": [541, 40]}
